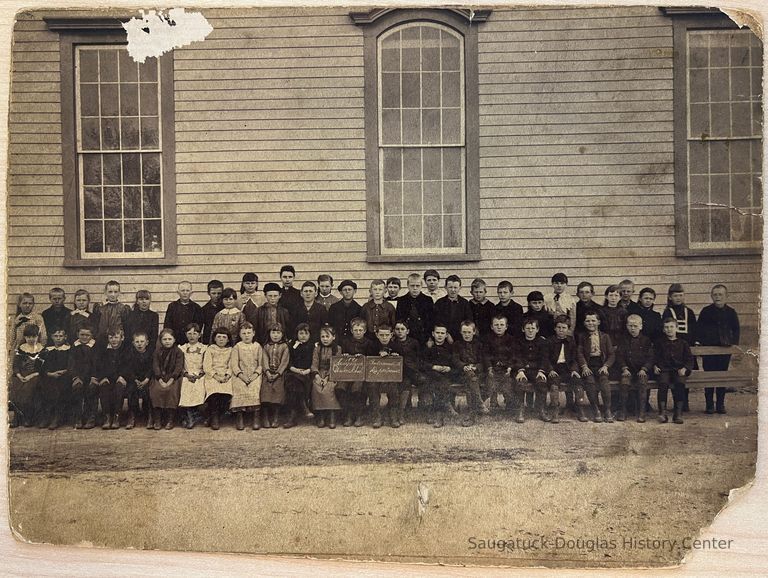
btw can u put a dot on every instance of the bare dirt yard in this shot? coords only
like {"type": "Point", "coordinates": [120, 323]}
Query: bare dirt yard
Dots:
{"type": "Point", "coordinates": [500, 493]}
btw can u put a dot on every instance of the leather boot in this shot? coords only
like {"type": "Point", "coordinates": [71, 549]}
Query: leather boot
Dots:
{"type": "Point", "coordinates": [677, 415]}
{"type": "Point", "coordinates": [320, 419]}
{"type": "Point", "coordinates": [332, 419]}
{"type": "Point", "coordinates": [291, 421]}
{"type": "Point", "coordinates": [54, 421]}
{"type": "Point", "coordinates": [150, 419]}
{"type": "Point", "coordinates": [157, 419]}
{"type": "Point", "coordinates": [275, 421]}
{"type": "Point", "coordinates": [190, 419]}
{"type": "Point", "coordinates": [131, 420]}
{"type": "Point", "coordinates": [686, 408]}
{"type": "Point", "coordinates": [663, 412]}
{"type": "Point", "coordinates": [107, 422]}
{"type": "Point", "coordinates": [520, 417]}
{"type": "Point", "coordinates": [90, 422]}
{"type": "Point", "coordinates": [580, 411]}
{"type": "Point", "coordinates": [239, 421]}
{"type": "Point", "coordinates": [641, 415]}
{"type": "Point", "coordinates": [348, 418]}
{"type": "Point", "coordinates": [596, 417]}
{"type": "Point", "coordinates": [439, 421]}
{"type": "Point", "coordinates": [376, 417]}
{"type": "Point", "coordinates": [171, 419]}
{"type": "Point", "coordinates": [256, 425]}
{"type": "Point", "coordinates": [215, 420]}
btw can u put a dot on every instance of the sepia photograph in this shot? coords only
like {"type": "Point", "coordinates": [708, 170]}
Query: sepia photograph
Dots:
{"type": "Point", "coordinates": [472, 286]}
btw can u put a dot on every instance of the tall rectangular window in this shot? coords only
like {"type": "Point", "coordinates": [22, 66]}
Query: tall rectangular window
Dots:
{"type": "Point", "coordinates": [421, 139]}
{"type": "Point", "coordinates": [119, 153]}
{"type": "Point", "coordinates": [724, 139]}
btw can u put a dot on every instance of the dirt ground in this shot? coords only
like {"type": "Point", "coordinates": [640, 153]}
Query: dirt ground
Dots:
{"type": "Point", "coordinates": [501, 493]}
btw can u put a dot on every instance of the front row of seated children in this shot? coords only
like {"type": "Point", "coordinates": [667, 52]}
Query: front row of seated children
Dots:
{"type": "Point", "coordinates": [254, 382]}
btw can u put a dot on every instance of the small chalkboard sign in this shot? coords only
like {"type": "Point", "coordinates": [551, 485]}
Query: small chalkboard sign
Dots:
{"type": "Point", "coordinates": [347, 368]}
{"type": "Point", "coordinates": [384, 369]}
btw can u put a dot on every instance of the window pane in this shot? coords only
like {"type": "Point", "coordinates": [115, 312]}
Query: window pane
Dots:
{"type": "Point", "coordinates": [390, 90]}
{"type": "Point", "coordinates": [411, 90]}
{"type": "Point", "coordinates": [699, 189]}
{"type": "Point", "coordinates": [430, 121]}
{"type": "Point", "coordinates": [129, 99]}
{"type": "Point", "coordinates": [452, 232]}
{"type": "Point", "coordinates": [757, 155]}
{"type": "Point", "coordinates": [390, 127]}
{"type": "Point", "coordinates": [94, 237]}
{"type": "Point", "coordinates": [89, 66]}
{"type": "Point", "coordinates": [91, 135]}
{"type": "Point", "coordinates": [721, 120]}
{"type": "Point", "coordinates": [109, 100]}
{"type": "Point", "coordinates": [151, 200]}
{"type": "Point", "coordinates": [130, 133]}
{"type": "Point", "coordinates": [133, 236]}
{"type": "Point", "coordinates": [742, 123]}
{"type": "Point", "coordinates": [148, 70]}
{"type": "Point", "coordinates": [698, 121]}
{"type": "Point", "coordinates": [451, 57]}
{"type": "Point", "coordinates": [132, 202]}
{"type": "Point", "coordinates": [741, 190]}
{"type": "Point", "coordinates": [110, 133]}
{"type": "Point", "coordinates": [107, 66]}
{"type": "Point", "coordinates": [740, 84]}
{"type": "Point", "coordinates": [89, 99]}
{"type": "Point", "coordinates": [699, 57]}
{"type": "Point", "coordinates": [393, 232]}
{"type": "Point", "coordinates": [719, 90]}
{"type": "Point", "coordinates": [430, 90]}
{"type": "Point", "coordinates": [741, 227]}
{"type": "Point", "coordinates": [153, 236]}
{"type": "Point", "coordinates": [412, 198]}
{"type": "Point", "coordinates": [433, 231]}
{"type": "Point", "coordinates": [699, 85]}
{"type": "Point", "coordinates": [721, 225]}
{"type": "Point", "coordinates": [113, 203]}
{"type": "Point", "coordinates": [718, 56]}
{"type": "Point", "coordinates": [412, 231]}
{"type": "Point", "coordinates": [698, 157]}
{"type": "Point", "coordinates": [392, 197]}
{"type": "Point", "coordinates": [452, 202]}
{"type": "Point", "coordinates": [433, 198]}
{"type": "Point", "coordinates": [92, 203]}
{"type": "Point", "coordinates": [128, 68]}
{"type": "Point", "coordinates": [411, 58]}
{"type": "Point", "coordinates": [451, 89]}
{"type": "Point", "coordinates": [720, 192]}
{"type": "Point", "coordinates": [148, 99]}
{"type": "Point", "coordinates": [113, 236]}
{"type": "Point", "coordinates": [150, 168]}
{"type": "Point", "coordinates": [452, 163]}
{"type": "Point", "coordinates": [112, 175]}
{"type": "Point", "coordinates": [92, 169]}
{"type": "Point", "coordinates": [411, 164]}
{"type": "Point", "coordinates": [699, 225]}
{"type": "Point", "coordinates": [392, 164]}
{"type": "Point", "coordinates": [432, 164]}
{"type": "Point", "coordinates": [452, 126]}
{"type": "Point", "coordinates": [411, 126]}
{"type": "Point", "coordinates": [740, 156]}
{"type": "Point", "coordinates": [718, 157]}
{"type": "Point", "coordinates": [150, 137]}
{"type": "Point", "coordinates": [390, 60]}
{"type": "Point", "coordinates": [131, 168]}
{"type": "Point", "coordinates": [430, 56]}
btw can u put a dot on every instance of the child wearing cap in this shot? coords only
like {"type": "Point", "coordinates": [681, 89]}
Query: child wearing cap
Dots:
{"type": "Point", "coordinates": [560, 302]}
{"type": "Point", "coordinates": [686, 322]}
{"type": "Point", "coordinates": [433, 289]}
{"type": "Point", "coordinates": [341, 313]}
{"type": "Point", "coordinates": [271, 313]}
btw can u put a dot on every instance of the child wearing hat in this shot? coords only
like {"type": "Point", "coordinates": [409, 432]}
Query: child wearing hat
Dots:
{"type": "Point", "coordinates": [685, 319]}
{"type": "Point", "coordinates": [271, 313]}
{"type": "Point", "coordinates": [341, 313]}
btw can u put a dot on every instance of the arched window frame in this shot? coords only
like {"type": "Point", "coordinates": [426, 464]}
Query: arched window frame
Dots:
{"type": "Point", "coordinates": [464, 23]}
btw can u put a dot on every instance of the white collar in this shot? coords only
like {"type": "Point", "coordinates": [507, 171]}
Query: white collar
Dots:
{"type": "Point", "coordinates": [91, 343]}
{"type": "Point", "coordinates": [81, 312]}
{"type": "Point", "coordinates": [63, 347]}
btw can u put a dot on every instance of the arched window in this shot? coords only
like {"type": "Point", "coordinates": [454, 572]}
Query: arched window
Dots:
{"type": "Point", "coordinates": [422, 136]}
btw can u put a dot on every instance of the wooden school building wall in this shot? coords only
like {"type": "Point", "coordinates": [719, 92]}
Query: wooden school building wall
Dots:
{"type": "Point", "coordinates": [576, 157]}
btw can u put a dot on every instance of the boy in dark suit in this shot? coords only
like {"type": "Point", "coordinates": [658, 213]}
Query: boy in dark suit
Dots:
{"type": "Point", "coordinates": [672, 365]}
{"type": "Point", "coordinates": [564, 369]}
{"type": "Point", "coordinates": [634, 357]}
{"type": "Point", "coordinates": [438, 370]}
{"type": "Point", "coordinates": [531, 368]}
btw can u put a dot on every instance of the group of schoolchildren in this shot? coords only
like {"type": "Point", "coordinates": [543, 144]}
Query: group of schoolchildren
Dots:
{"type": "Point", "coordinates": [266, 359]}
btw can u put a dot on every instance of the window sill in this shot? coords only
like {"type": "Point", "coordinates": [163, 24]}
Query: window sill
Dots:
{"type": "Point", "coordinates": [158, 262]}
{"type": "Point", "coordinates": [718, 252]}
{"type": "Point", "coordinates": [423, 258]}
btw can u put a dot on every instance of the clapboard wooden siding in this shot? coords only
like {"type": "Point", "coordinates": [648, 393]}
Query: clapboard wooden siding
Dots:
{"type": "Point", "coordinates": [576, 156]}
